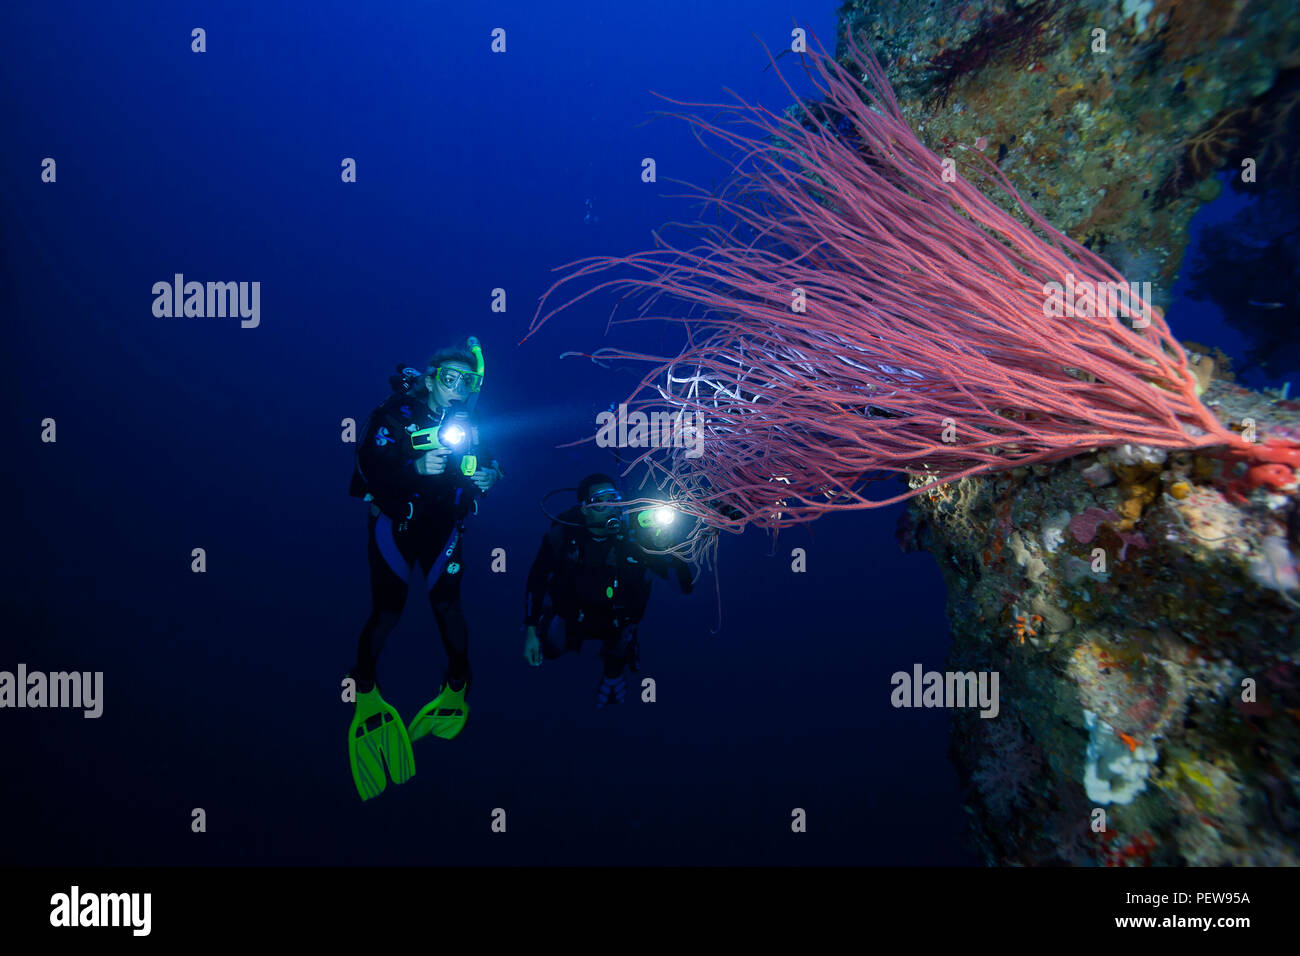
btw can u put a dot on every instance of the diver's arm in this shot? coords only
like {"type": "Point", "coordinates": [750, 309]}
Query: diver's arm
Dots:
{"type": "Point", "coordinates": [384, 447]}
{"type": "Point", "coordinates": [539, 579]}
{"type": "Point", "coordinates": [387, 459]}
{"type": "Point", "coordinates": [488, 473]}
{"type": "Point", "coordinates": [489, 470]}
{"type": "Point", "coordinates": [683, 572]}
{"type": "Point", "coordinates": [432, 463]}
{"type": "Point", "coordinates": [661, 564]}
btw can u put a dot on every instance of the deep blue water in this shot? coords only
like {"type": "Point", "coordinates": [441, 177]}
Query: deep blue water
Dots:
{"type": "Point", "coordinates": [222, 689]}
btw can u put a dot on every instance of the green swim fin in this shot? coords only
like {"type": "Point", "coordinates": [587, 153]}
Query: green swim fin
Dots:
{"type": "Point", "coordinates": [377, 738]}
{"type": "Point", "coordinates": [444, 716]}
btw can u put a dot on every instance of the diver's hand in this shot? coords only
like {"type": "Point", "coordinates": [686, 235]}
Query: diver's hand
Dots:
{"type": "Point", "coordinates": [433, 462]}
{"type": "Point", "coordinates": [485, 477]}
{"type": "Point", "coordinates": [532, 647]}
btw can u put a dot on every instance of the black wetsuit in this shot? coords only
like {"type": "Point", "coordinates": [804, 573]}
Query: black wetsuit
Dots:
{"type": "Point", "coordinates": [414, 519]}
{"type": "Point", "coordinates": [598, 587]}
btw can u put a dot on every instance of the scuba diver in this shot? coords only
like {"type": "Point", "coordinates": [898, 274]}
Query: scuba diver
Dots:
{"type": "Point", "coordinates": [419, 466]}
{"type": "Point", "coordinates": [594, 568]}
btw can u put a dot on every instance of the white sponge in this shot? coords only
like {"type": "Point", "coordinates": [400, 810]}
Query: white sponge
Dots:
{"type": "Point", "coordinates": [1114, 774]}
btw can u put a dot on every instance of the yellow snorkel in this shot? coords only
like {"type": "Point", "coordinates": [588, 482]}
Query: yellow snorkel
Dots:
{"type": "Point", "coordinates": [476, 350]}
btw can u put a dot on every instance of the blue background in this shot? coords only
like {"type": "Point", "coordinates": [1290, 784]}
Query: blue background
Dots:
{"type": "Point", "coordinates": [222, 690]}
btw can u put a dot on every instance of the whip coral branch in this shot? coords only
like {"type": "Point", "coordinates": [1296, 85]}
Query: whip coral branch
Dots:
{"type": "Point", "coordinates": [924, 349]}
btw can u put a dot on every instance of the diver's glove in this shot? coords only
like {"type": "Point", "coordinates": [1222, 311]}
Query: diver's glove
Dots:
{"type": "Point", "coordinates": [612, 690]}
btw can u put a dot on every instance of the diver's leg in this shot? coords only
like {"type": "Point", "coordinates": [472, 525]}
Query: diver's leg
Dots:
{"type": "Point", "coordinates": [455, 639]}
{"type": "Point", "coordinates": [619, 651]}
{"type": "Point", "coordinates": [443, 577]}
{"type": "Point", "coordinates": [553, 631]}
{"type": "Point", "coordinates": [389, 570]}
{"type": "Point", "coordinates": [446, 714]}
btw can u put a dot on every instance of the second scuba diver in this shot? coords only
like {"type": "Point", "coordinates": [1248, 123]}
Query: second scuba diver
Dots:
{"type": "Point", "coordinates": [419, 467]}
{"type": "Point", "coordinates": [597, 576]}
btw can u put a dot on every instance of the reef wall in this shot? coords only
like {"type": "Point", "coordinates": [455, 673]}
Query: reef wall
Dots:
{"type": "Point", "coordinates": [1109, 117]}
{"type": "Point", "coordinates": [1140, 606]}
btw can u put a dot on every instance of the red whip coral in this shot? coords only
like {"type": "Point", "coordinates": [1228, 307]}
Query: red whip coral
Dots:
{"type": "Point", "coordinates": [858, 310]}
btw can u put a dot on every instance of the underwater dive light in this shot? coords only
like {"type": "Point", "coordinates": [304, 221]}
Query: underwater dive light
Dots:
{"type": "Point", "coordinates": [452, 436]}
{"type": "Point", "coordinates": [660, 517]}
